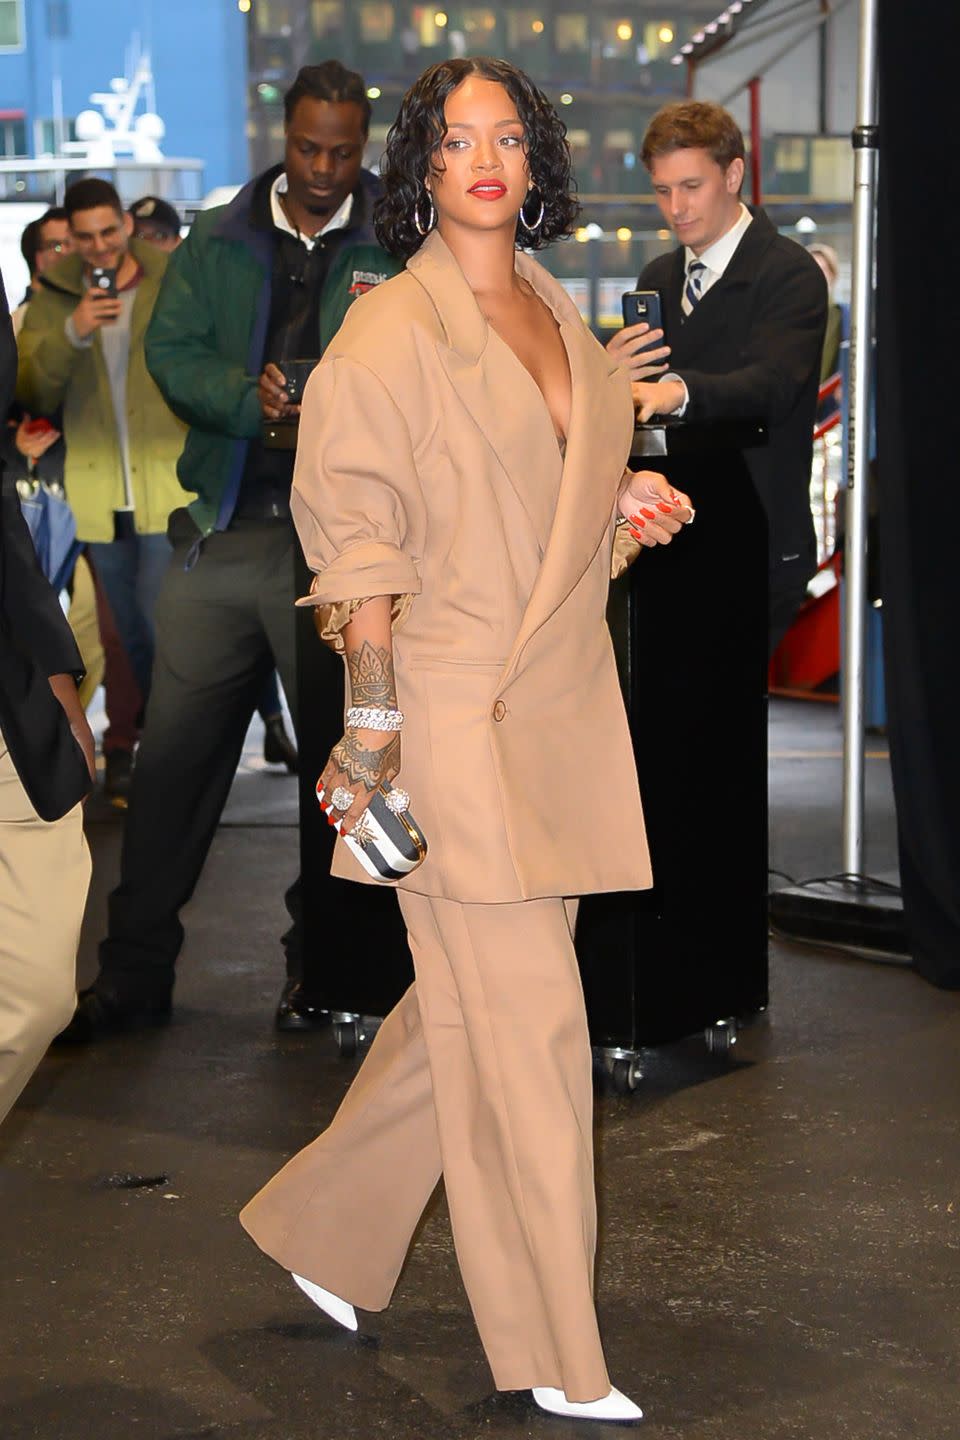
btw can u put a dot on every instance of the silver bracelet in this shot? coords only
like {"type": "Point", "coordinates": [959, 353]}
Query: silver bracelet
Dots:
{"type": "Point", "coordinates": [372, 717]}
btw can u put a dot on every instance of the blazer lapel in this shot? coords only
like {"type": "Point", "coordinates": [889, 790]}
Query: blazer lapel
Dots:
{"type": "Point", "coordinates": [569, 524]}
{"type": "Point", "coordinates": [595, 456]}
{"type": "Point", "coordinates": [493, 385]}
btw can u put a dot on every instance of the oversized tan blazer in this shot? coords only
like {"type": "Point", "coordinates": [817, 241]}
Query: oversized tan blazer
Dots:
{"type": "Point", "coordinates": [428, 469]}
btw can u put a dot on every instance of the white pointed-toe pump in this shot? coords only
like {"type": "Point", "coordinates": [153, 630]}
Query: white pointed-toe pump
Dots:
{"type": "Point", "coordinates": [331, 1305]}
{"type": "Point", "coordinates": [615, 1406]}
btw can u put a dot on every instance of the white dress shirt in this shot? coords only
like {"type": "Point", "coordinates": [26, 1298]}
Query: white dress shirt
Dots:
{"type": "Point", "coordinates": [339, 220]}
{"type": "Point", "coordinates": [715, 260]}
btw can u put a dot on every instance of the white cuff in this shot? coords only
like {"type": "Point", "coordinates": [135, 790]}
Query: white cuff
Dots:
{"type": "Point", "coordinates": [686, 393]}
{"type": "Point", "coordinates": [70, 330]}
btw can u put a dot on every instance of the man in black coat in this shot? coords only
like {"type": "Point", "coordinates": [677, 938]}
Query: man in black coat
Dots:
{"type": "Point", "coordinates": [745, 311]}
{"type": "Point", "coordinates": [46, 768]}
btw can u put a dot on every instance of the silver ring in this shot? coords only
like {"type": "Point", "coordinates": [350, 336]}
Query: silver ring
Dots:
{"type": "Point", "coordinates": [342, 799]}
{"type": "Point", "coordinates": [363, 832]}
{"type": "Point", "coordinates": [397, 801]}
{"type": "Point", "coordinates": [693, 514]}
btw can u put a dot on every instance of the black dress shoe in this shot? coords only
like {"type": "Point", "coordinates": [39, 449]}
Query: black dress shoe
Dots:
{"type": "Point", "coordinates": [296, 1011]}
{"type": "Point", "coordinates": [117, 777]}
{"type": "Point", "coordinates": [100, 1011]}
{"type": "Point", "coordinates": [278, 748]}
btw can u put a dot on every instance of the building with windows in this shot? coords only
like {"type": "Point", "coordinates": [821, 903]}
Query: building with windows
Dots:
{"type": "Point", "coordinates": [605, 65]}
{"type": "Point", "coordinates": [55, 54]}
{"type": "Point", "coordinates": [220, 67]}
{"type": "Point", "coordinates": [608, 66]}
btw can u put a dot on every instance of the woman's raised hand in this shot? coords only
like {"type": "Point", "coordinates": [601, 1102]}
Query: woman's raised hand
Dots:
{"type": "Point", "coordinates": [654, 510]}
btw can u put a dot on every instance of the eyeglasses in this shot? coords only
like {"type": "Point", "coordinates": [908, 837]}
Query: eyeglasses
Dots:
{"type": "Point", "coordinates": [152, 236]}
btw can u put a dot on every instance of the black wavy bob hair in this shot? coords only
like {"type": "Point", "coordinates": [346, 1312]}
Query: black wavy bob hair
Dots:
{"type": "Point", "coordinates": [418, 131]}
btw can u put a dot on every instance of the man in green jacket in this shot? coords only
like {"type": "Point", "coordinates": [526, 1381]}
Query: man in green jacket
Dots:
{"type": "Point", "coordinates": [82, 349]}
{"type": "Point", "coordinates": [256, 285]}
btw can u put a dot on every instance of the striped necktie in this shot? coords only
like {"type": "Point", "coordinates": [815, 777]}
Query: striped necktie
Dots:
{"type": "Point", "coordinates": [691, 290]}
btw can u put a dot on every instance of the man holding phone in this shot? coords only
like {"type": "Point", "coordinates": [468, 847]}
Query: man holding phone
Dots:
{"type": "Point", "coordinates": [744, 312]}
{"type": "Point", "coordinates": [251, 298]}
{"type": "Point", "coordinates": [81, 348]}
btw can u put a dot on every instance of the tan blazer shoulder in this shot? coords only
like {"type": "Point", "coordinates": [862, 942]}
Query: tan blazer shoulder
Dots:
{"type": "Point", "coordinates": [428, 469]}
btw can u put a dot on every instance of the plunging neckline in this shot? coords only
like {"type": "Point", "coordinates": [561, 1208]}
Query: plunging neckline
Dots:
{"type": "Point", "coordinates": [560, 438]}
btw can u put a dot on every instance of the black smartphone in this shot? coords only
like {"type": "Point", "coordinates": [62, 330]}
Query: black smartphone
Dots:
{"type": "Point", "coordinates": [295, 374]}
{"type": "Point", "coordinates": [644, 307]}
{"type": "Point", "coordinates": [104, 281]}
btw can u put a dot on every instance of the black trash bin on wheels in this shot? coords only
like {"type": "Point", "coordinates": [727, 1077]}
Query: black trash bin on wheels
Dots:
{"type": "Point", "coordinates": [689, 625]}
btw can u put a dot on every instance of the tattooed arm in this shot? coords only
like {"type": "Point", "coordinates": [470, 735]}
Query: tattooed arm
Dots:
{"type": "Point", "coordinates": [363, 758]}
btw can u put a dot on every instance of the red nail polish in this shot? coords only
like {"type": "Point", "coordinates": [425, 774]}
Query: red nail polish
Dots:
{"type": "Point", "coordinates": [635, 520]}
{"type": "Point", "coordinates": [650, 514]}
{"type": "Point", "coordinates": [636, 535]}
{"type": "Point", "coordinates": [664, 509]}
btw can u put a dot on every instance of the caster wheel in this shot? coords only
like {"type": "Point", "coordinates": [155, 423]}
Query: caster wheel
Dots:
{"type": "Point", "coordinates": [625, 1076]}
{"type": "Point", "coordinates": [721, 1037]}
{"type": "Point", "coordinates": [347, 1035]}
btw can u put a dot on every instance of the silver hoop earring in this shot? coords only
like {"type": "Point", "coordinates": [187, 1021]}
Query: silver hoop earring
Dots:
{"type": "Point", "coordinates": [535, 225]}
{"type": "Point", "coordinates": [424, 229]}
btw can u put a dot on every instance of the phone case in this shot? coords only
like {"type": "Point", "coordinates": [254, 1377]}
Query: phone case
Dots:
{"type": "Point", "coordinates": [390, 845]}
{"type": "Point", "coordinates": [644, 306]}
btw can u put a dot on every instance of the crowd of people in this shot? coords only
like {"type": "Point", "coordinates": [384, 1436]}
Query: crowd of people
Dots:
{"type": "Point", "coordinates": [462, 545]}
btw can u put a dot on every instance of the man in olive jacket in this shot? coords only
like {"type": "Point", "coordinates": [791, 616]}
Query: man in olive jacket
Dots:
{"type": "Point", "coordinates": [82, 348]}
{"type": "Point", "coordinates": [256, 284]}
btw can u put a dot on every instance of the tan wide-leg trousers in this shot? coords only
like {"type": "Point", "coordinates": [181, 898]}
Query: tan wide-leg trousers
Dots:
{"type": "Point", "coordinates": [44, 874]}
{"type": "Point", "coordinates": [481, 1073]}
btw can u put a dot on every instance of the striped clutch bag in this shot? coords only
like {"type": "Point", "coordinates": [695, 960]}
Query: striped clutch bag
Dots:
{"type": "Point", "coordinates": [386, 839]}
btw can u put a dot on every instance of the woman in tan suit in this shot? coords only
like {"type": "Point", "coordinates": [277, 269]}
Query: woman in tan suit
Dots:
{"type": "Point", "coordinates": [458, 484]}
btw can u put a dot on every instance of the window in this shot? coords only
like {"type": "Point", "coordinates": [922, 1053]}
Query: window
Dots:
{"type": "Point", "coordinates": [46, 135]}
{"type": "Point", "coordinates": [573, 34]}
{"type": "Point", "coordinates": [659, 38]}
{"type": "Point", "coordinates": [58, 19]}
{"type": "Point", "coordinates": [792, 155]}
{"type": "Point", "coordinates": [425, 31]}
{"type": "Point", "coordinates": [617, 38]}
{"type": "Point", "coordinates": [11, 24]}
{"type": "Point", "coordinates": [13, 138]}
{"type": "Point", "coordinates": [376, 23]}
{"type": "Point", "coordinates": [274, 17]}
{"type": "Point", "coordinates": [478, 21]}
{"type": "Point", "coordinates": [525, 27]}
{"type": "Point", "coordinates": [327, 18]}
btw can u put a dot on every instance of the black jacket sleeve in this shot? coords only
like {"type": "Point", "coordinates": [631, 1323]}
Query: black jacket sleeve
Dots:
{"type": "Point", "coordinates": [8, 356]}
{"type": "Point", "coordinates": [35, 643]}
{"type": "Point", "coordinates": [784, 347]}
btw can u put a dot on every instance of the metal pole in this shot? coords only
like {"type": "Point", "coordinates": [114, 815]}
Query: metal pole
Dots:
{"type": "Point", "coordinates": [865, 141]}
{"type": "Point", "coordinates": [756, 142]}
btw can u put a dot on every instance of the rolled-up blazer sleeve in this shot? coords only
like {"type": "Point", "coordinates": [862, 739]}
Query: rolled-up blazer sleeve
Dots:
{"type": "Point", "coordinates": [357, 501]}
{"type": "Point", "coordinates": [625, 550]}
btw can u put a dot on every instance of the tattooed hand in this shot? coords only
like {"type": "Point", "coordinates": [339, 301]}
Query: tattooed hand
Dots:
{"type": "Point", "coordinates": [364, 758]}
{"type": "Point", "coordinates": [358, 763]}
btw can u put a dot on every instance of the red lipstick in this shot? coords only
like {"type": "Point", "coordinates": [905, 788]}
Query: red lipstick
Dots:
{"type": "Point", "coordinates": [488, 190]}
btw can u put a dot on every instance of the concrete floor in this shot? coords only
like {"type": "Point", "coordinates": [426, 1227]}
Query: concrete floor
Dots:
{"type": "Point", "coordinates": [780, 1235]}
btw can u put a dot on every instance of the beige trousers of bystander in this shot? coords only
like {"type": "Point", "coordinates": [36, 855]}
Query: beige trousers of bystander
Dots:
{"type": "Point", "coordinates": [44, 875]}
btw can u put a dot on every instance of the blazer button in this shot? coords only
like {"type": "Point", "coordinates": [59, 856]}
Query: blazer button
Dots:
{"type": "Point", "coordinates": [499, 710]}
